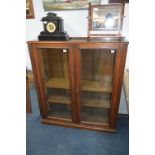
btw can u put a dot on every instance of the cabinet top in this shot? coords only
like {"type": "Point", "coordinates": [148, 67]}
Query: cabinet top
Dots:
{"type": "Point", "coordinates": [85, 40]}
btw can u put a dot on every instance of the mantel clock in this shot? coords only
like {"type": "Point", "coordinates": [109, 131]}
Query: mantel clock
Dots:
{"type": "Point", "coordinates": [53, 28]}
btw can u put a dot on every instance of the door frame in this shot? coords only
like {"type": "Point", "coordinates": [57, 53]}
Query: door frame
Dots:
{"type": "Point", "coordinates": [119, 64]}
{"type": "Point", "coordinates": [34, 55]}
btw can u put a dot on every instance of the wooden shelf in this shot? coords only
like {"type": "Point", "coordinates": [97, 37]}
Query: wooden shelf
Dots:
{"type": "Point", "coordinates": [97, 86]}
{"type": "Point", "coordinates": [59, 99]}
{"type": "Point", "coordinates": [88, 102]}
{"type": "Point", "coordinates": [92, 115]}
{"type": "Point", "coordinates": [57, 83]}
{"type": "Point", "coordinates": [95, 102]}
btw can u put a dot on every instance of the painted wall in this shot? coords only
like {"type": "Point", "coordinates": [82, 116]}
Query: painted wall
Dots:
{"type": "Point", "coordinates": [75, 23]}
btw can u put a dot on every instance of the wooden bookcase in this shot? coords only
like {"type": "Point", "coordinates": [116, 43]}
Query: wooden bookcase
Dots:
{"type": "Point", "coordinates": [79, 81]}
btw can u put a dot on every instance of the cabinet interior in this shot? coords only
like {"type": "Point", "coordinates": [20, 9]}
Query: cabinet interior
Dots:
{"type": "Point", "coordinates": [96, 75]}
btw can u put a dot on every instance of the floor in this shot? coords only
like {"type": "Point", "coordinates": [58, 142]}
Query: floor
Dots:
{"type": "Point", "coordinates": [54, 140]}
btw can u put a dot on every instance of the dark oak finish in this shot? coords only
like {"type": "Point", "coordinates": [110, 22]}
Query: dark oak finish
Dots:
{"type": "Point", "coordinates": [85, 125]}
{"type": "Point", "coordinates": [80, 52]}
{"type": "Point", "coordinates": [36, 79]}
{"type": "Point", "coordinates": [72, 82]}
{"type": "Point", "coordinates": [117, 83]}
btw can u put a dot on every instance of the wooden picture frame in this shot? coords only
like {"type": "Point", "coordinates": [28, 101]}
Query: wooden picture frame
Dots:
{"type": "Point", "coordinates": [29, 9]}
{"type": "Point", "coordinates": [105, 20]}
{"type": "Point", "coordinates": [50, 5]}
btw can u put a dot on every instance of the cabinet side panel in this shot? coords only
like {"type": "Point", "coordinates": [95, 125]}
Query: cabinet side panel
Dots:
{"type": "Point", "coordinates": [117, 84]}
{"type": "Point", "coordinates": [36, 79]}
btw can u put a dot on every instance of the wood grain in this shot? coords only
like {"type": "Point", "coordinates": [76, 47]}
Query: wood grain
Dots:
{"type": "Point", "coordinates": [95, 102]}
{"type": "Point", "coordinates": [59, 99]}
{"type": "Point", "coordinates": [96, 86]}
{"type": "Point", "coordinates": [88, 102]}
{"type": "Point", "coordinates": [57, 83]}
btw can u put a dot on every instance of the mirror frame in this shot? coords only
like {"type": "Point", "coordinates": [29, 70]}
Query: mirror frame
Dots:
{"type": "Point", "coordinates": [103, 32]}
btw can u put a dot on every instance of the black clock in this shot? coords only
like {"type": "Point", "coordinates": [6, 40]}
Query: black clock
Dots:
{"type": "Point", "coordinates": [53, 28]}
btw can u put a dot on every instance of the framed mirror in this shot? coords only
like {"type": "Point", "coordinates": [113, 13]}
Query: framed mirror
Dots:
{"type": "Point", "coordinates": [29, 9]}
{"type": "Point", "coordinates": [105, 20]}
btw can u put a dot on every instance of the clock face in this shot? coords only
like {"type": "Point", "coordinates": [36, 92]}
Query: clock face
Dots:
{"type": "Point", "coordinates": [50, 27]}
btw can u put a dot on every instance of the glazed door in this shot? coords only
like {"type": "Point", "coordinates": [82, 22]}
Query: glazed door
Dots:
{"type": "Point", "coordinates": [95, 76]}
{"type": "Point", "coordinates": [56, 86]}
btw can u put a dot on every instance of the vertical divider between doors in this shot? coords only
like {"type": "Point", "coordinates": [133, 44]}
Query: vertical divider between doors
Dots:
{"type": "Point", "coordinates": [72, 83]}
{"type": "Point", "coordinates": [77, 79]}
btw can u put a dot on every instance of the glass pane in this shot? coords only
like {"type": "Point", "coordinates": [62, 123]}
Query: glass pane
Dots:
{"type": "Point", "coordinates": [54, 68]}
{"type": "Point", "coordinates": [96, 84]}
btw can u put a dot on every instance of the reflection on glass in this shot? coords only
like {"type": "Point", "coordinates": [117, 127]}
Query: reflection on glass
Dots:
{"type": "Point", "coordinates": [109, 21]}
{"type": "Point", "coordinates": [54, 68]}
{"type": "Point", "coordinates": [96, 84]}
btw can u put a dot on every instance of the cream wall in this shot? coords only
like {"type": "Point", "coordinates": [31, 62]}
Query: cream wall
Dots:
{"type": "Point", "coordinates": [75, 23]}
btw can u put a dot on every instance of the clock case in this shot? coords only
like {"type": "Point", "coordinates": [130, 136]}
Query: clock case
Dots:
{"type": "Point", "coordinates": [58, 34]}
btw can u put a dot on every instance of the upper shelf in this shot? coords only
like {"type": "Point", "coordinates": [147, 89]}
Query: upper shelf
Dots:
{"type": "Point", "coordinates": [86, 85]}
{"type": "Point", "coordinates": [96, 86]}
